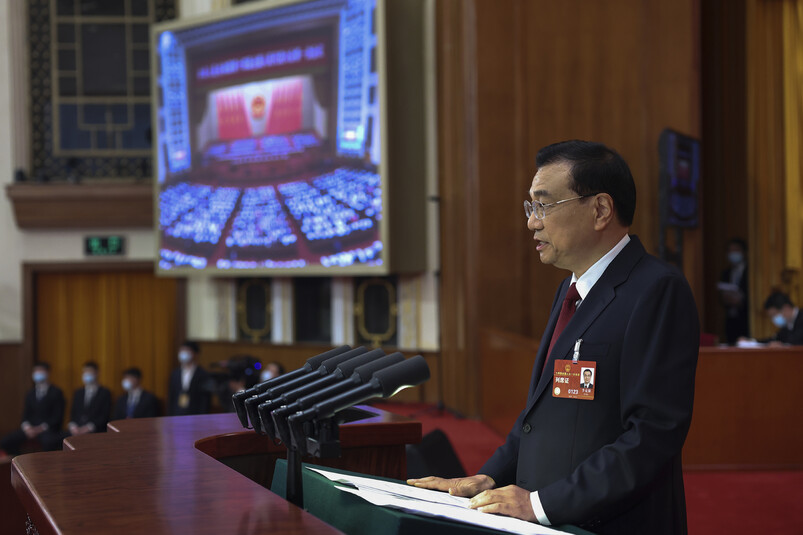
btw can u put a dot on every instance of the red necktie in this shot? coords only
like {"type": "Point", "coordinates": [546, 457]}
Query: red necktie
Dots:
{"type": "Point", "coordinates": [566, 313]}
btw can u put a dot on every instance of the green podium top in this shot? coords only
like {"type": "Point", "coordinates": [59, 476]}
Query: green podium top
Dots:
{"type": "Point", "coordinates": [355, 516]}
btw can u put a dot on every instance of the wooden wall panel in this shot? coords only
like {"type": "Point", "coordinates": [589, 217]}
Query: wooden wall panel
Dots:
{"type": "Point", "coordinates": [765, 157]}
{"type": "Point", "coordinates": [14, 382]}
{"type": "Point", "coordinates": [724, 191]}
{"type": "Point", "coordinates": [514, 76]}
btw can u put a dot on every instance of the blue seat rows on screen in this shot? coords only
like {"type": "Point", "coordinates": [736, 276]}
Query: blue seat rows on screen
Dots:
{"type": "Point", "coordinates": [169, 259]}
{"type": "Point", "coordinates": [265, 148]}
{"type": "Point", "coordinates": [260, 221]}
{"type": "Point", "coordinates": [179, 199]}
{"type": "Point", "coordinates": [205, 223]}
{"type": "Point", "coordinates": [321, 216]}
{"type": "Point", "coordinates": [362, 255]}
{"type": "Point", "coordinates": [357, 188]}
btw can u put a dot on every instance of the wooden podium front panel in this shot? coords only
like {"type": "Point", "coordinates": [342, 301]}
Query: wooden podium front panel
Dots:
{"type": "Point", "coordinates": [160, 475]}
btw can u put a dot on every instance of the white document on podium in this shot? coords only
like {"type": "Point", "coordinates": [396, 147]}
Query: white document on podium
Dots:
{"type": "Point", "coordinates": [430, 503]}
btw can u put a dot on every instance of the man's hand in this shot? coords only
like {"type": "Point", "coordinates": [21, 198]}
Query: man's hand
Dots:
{"type": "Point", "coordinates": [458, 486]}
{"type": "Point", "coordinates": [31, 432]}
{"type": "Point", "coordinates": [509, 501]}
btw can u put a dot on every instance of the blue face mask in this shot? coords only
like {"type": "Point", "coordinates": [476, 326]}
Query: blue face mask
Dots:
{"type": "Point", "coordinates": [39, 376]}
{"type": "Point", "coordinates": [778, 320]}
{"type": "Point", "coordinates": [735, 257]}
{"type": "Point", "coordinates": [88, 378]}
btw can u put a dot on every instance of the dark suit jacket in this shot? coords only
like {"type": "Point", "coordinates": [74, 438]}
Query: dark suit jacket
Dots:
{"type": "Point", "coordinates": [613, 464]}
{"type": "Point", "coordinates": [199, 393]}
{"type": "Point", "coordinates": [97, 411]}
{"type": "Point", "coordinates": [737, 321]}
{"type": "Point", "coordinates": [50, 409]}
{"type": "Point", "coordinates": [793, 336]}
{"type": "Point", "coordinates": [147, 407]}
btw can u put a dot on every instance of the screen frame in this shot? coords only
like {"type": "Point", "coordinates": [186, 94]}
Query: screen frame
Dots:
{"type": "Point", "coordinates": [317, 270]}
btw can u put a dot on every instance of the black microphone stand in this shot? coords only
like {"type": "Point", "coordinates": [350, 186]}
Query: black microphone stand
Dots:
{"type": "Point", "coordinates": [318, 438]}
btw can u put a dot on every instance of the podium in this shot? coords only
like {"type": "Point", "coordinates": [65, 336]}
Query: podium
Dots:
{"type": "Point", "coordinates": [189, 474]}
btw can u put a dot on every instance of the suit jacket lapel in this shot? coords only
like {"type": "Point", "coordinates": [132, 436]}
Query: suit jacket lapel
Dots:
{"type": "Point", "coordinates": [589, 310]}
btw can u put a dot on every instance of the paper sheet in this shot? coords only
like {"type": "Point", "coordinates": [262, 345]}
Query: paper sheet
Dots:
{"type": "Point", "coordinates": [431, 503]}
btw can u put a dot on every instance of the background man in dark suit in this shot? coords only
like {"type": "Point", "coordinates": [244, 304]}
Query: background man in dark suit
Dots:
{"type": "Point", "coordinates": [42, 415]}
{"type": "Point", "coordinates": [189, 390]}
{"type": "Point", "coordinates": [786, 316]}
{"type": "Point", "coordinates": [136, 402]}
{"type": "Point", "coordinates": [734, 293]}
{"type": "Point", "coordinates": [611, 464]}
{"type": "Point", "coordinates": [91, 407]}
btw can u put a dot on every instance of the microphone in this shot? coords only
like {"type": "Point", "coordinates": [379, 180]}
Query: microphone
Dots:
{"type": "Point", "coordinates": [312, 364]}
{"type": "Point", "coordinates": [362, 374]}
{"type": "Point", "coordinates": [384, 383]}
{"type": "Point", "coordinates": [336, 372]}
{"type": "Point", "coordinates": [326, 367]}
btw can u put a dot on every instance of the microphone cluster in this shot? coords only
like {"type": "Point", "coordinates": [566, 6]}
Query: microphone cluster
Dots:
{"type": "Point", "coordinates": [301, 407]}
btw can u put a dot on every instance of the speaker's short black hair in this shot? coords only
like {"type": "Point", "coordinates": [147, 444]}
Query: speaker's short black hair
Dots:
{"type": "Point", "coordinates": [595, 168]}
{"type": "Point", "coordinates": [41, 364]}
{"type": "Point", "coordinates": [777, 300]}
{"type": "Point", "coordinates": [91, 364]}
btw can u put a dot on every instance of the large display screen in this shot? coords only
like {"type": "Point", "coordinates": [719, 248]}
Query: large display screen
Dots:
{"type": "Point", "coordinates": [268, 140]}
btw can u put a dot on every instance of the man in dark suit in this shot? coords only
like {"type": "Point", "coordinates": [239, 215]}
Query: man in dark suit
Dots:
{"type": "Point", "coordinates": [136, 402]}
{"type": "Point", "coordinates": [611, 463]}
{"type": "Point", "coordinates": [734, 292]}
{"type": "Point", "coordinates": [42, 415]}
{"type": "Point", "coordinates": [786, 317]}
{"type": "Point", "coordinates": [91, 404]}
{"type": "Point", "coordinates": [586, 380]}
{"type": "Point", "coordinates": [189, 390]}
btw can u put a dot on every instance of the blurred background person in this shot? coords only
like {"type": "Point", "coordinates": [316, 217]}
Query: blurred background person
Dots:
{"type": "Point", "coordinates": [786, 317]}
{"type": "Point", "coordinates": [188, 390]}
{"type": "Point", "coordinates": [91, 406]}
{"type": "Point", "coordinates": [270, 370]}
{"type": "Point", "coordinates": [42, 415]}
{"type": "Point", "coordinates": [733, 292]}
{"type": "Point", "coordinates": [136, 402]}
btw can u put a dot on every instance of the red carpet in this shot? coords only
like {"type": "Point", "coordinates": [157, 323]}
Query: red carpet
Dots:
{"type": "Point", "coordinates": [732, 503]}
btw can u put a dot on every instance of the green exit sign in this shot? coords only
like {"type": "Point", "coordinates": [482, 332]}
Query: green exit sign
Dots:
{"type": "Point", "coordinates": [104, 245]}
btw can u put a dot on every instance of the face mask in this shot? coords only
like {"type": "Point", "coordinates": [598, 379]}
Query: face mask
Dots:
{"type": "Point", "coordinates": [267, 375]}
{"type": "Point", "coordinates": [184, 356]}
{"type": "Point", "coordinates": [735, 257]}
{"type": "Point", "coordinates": [778, 320]}
{"type": "Point", "coordinates": [88, 378]}
{"type": "Point", "coordinates": [127, 385]}
{"type": "Point", "coordinates": [39, 377]}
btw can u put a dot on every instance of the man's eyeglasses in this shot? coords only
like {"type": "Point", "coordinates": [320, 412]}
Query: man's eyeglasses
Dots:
{"type": "Point", "coordinates": [539, 209]}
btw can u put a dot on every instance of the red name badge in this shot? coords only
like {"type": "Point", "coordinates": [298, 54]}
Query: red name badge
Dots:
{"type": "Point", "coordinates": [574, 380]}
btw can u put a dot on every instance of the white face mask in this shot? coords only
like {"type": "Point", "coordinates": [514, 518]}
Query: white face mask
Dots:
{"type": "Point", "coordinates": [39, 376]}
{"type": "Point", "coordinates": [184, 356]}
{"type": "Point", "coordinates": [778, 320]}
{"type": "Point", "coordinates": [267, 375]}
{"type": "Point", "coordinates": [128, 385]}
{"type": "Point", "coordinates": [88, 378]}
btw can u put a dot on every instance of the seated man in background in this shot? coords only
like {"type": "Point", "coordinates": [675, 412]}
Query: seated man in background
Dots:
{"type": "Point", "coordinates": [42, 415]}
{"type": "Point", "coordinates": [91, 406]}
{"type": "Point", "coordinates": [189, 389]}
{"type": "Point", "coordinates": [136, 402]}
{"type": "Point", "coordinates": [784, 315]}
